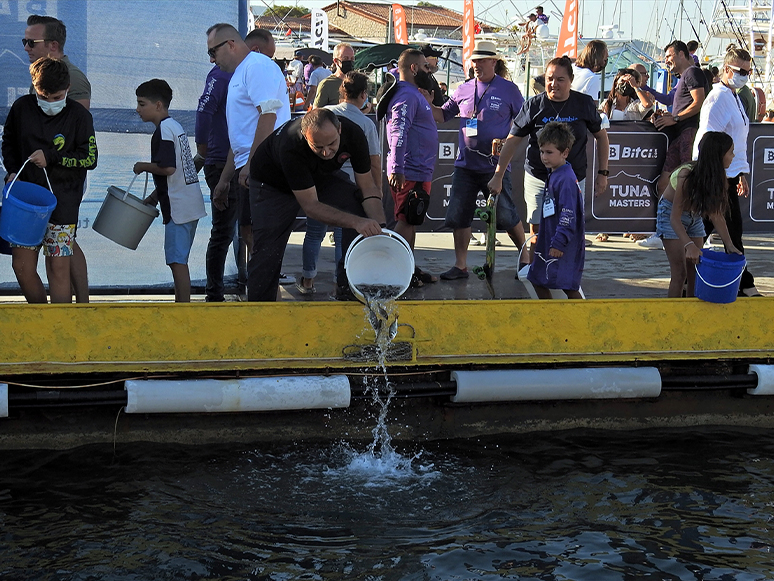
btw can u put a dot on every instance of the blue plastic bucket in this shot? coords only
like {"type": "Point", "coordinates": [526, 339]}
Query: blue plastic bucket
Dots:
{"type": "Point", "coordinates": [26, 210]}
{"type": "Point", "coordinates": [718, 275]}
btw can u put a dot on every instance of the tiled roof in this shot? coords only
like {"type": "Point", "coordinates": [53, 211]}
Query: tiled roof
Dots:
{"type": "Point", "coordinates": [418, 16]}
{"type": "Point", "coordinates": [297, 25]}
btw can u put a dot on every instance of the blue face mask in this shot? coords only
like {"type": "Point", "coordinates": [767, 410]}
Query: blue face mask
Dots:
{"type": "Point", "coordinates": [52, 108]}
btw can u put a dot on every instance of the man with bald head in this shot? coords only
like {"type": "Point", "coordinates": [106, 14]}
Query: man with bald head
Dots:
{"type": "Point", "coordinates": [328, 90]}
{"type": "Point", "coordinates": [298, 167]}
{"type": "Point", "coordinates": [256, 105]}
{"type": "Point", "coordinates": [262, 41]}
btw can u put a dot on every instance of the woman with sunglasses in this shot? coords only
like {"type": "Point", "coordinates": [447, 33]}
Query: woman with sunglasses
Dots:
{"type": "Point", "coordinates": [723, 111]}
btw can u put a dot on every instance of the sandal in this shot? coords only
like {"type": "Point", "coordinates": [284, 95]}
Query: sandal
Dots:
{"type": "Point", "coordinates": [601, 237]}
{"type": "Point", "coordinates": [304, 290]}
{"type": "Point", "coordinates": [424, 276]}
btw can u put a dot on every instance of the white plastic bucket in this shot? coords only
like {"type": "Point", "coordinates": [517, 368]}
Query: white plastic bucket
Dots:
{"type": "Point", "coordinates": [123, 218]}
{"type": "Point", "coordinates": [385, 259]}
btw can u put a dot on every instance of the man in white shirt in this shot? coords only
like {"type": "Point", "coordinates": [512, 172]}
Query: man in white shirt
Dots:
{"type": "Point", "coordinates": [256, 105]}
{"type": "Point", "coordinates": [723, 111]}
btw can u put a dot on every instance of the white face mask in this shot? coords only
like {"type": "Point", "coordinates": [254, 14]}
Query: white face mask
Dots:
{"type": "Point", "coordinates": [737, 81]}
{"type": "Point", "coordinates": [52, 108]}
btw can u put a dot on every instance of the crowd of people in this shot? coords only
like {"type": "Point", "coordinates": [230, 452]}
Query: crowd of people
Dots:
{"type": "Point", "coordinates": [262, 168]}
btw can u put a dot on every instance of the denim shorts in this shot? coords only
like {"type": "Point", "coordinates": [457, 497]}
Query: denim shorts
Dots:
{"type": "Point", "coordinates": [466, 185]}
{"type": "Point", "coordinates": [178, 239]}
{"type": "Point", "coordinates": [693, 224]}
{"type": "Point", "coordinates": [533, 196]}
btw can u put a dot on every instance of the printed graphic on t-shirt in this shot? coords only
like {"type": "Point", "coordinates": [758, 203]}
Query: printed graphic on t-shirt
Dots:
{"type": "Point", "coordinates": [189, 169]}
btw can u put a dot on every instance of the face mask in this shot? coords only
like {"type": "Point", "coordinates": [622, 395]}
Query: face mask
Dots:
{"type": "Point", "coordinates": [52, 108]}
{"type": "Point", "coordinates": [737, 81]}
{"type": "Point", "coordinates": [423, 80]}
{"type": "Point", "coordinates": [346, 66]}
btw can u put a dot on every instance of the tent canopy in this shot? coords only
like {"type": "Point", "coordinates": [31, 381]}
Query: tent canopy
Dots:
{"type": "Point", "coordinates": [380, 55]}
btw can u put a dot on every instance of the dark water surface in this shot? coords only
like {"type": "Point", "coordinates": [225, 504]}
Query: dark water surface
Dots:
{"type": "Point", "coordinates": [578, 505]}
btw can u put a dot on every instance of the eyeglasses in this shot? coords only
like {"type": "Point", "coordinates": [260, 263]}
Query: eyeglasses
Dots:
{"type": "Point", "coordinates": [30, 42]}
{"type": "Point", "coordinates": [741, 72]}
{"type": "Point", "coordinates": [214, 49]}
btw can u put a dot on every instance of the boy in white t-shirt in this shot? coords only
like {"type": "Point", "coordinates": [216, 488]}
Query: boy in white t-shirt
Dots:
{"type": "Point", "coordinates": [176, 180]}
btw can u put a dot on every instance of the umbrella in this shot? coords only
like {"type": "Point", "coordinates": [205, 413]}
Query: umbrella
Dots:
{"type": "Point", "coordinates": [380, 55]}
{"type": "Point", "coordinates": [305, 53]}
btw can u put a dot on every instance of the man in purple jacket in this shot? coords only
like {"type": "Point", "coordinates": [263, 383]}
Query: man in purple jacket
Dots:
{"type": "Point", "coordinates": [412, 137]}
{"type": "Point", "coordinates": [486, 106]}
{"type": "Point", "coordinates": [212, 150]}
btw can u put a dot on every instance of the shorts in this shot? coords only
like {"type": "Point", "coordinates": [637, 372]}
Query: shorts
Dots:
{"type": "Point", "coordinates": [533, 196]}
{"type": "Point", "coordinates": [243, 197]}
{"type": "Point", "coordinates": [399, 197]}
{"type": "Point", "coordinates": [466, 185]}
{"type": "Point", "coordinates": [178, 239]}
{"type": "Point", "coordinates": [680, 151]}
{"type": "Point", "coordinates": [57, 241]}
{"type": "Point", "coordinates": [693, 224]}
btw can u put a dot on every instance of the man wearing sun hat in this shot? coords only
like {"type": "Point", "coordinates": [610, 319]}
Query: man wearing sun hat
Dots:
{"type": "Point", "coordinates": [486, 106]}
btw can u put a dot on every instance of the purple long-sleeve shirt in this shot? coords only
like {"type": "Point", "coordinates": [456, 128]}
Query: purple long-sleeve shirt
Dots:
{"type": "Point", "coordinates": [412, 135]}
{"type": "Point", "coordinates": [211, 125]}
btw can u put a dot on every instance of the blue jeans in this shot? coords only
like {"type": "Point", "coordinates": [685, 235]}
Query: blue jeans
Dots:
{"type": "Point", "coordinates": [315, 234]}
{"type": "Point", "coordinates": [223, 234]}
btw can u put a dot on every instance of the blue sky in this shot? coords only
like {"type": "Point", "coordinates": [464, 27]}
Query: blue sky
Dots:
{"type": "Point", "coordinates": [653, 20]}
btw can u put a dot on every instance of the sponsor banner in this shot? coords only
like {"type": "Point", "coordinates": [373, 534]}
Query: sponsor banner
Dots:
{"type": "Point", "coordinates": [319, 29]}
{"type": "Point", "coordinates": [635, 159]}
{"type": "Point", "coordinates": [399, 24]}
{"type": "Point", "coordinates": [568, 34]}
{"type": "Point", "coordinates": [759, 207]}
{"type": "Point", "coordinates": [468, 33]}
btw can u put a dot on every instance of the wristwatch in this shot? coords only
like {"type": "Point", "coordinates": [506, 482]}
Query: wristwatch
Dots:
{"type": "Point", "coordinates": [676, 118]}
{"type": "Point", "coordinates": [604, 172]}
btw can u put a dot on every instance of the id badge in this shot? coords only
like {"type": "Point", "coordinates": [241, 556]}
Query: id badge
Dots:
{"type": "Point", "coordinates": [548, 207]}
{"type": "Point", "coordinates": [471, 127]}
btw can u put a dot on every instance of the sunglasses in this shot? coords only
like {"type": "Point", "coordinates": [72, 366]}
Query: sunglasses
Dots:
{"type": "Point", "coordinates": [214, 49]}
{"type": "Point", "coordinates": [30, 42]}
{"type": "Point", "coordinates": [741, 72]}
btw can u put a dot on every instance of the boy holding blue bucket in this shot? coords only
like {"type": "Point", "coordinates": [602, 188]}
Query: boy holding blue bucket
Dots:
{"type": "Point", "coordinates": [55, 134]}
{"type": "Point", "coordinates": [176, 179]}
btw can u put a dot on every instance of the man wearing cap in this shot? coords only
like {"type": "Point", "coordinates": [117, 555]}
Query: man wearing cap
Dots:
{"type": "Point", "coordinates": [486, 106]}
{"type": "Point", "coordinates": [412, 137]}
{"type": "Point", "coordinates": [432, 55]}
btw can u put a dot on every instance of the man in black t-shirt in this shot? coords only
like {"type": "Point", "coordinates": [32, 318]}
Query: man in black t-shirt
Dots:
{"type": "Point", "coordinates": [299, 166]}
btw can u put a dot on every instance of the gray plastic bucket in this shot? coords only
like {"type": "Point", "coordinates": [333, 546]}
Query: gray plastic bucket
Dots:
{"type": "Point", "coordinates": [123, 217]}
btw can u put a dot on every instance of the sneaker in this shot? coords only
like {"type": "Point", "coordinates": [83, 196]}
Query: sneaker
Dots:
{"type": "Point", "coordinates": [287, 279]}
{"type": "Point", "coordinates": [652, 242]}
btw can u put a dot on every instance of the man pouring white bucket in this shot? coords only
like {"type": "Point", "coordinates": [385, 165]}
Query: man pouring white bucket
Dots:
{"type": "Point", "coordinates": [298, 166]}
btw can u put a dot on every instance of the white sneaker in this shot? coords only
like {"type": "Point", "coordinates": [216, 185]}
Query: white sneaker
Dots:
{"type": "Point", "coordinates": [651, 242]}
{"type": "Point", "coordinates": [287, 279]}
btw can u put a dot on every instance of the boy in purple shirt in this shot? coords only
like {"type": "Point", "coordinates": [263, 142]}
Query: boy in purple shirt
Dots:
{"type": "Point", "coordinates": [486, 106]}
{"type": "Point", "coordinates": [560, 250]}
{"type": "Point", "coordinates": [412, 137]}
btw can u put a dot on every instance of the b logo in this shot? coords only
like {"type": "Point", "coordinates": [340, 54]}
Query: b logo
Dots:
{"type": "Point", "coordinates": [615, 153]}
{"type": "Point", "coordinates": [768, 155]}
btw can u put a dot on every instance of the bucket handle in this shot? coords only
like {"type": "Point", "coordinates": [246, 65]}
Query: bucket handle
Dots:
{"type": "Point", "coordinates": [719, 285]}
{"type": "Point", "coordinates": [18, 173]}
{"type": "Point", "coordinates": [129, 187]}
{"type": "Point", "coordinates": [385, 232]}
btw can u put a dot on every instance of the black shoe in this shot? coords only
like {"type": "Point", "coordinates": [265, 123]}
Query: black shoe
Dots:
{"type": "Point", "coordinates": [344, 293]}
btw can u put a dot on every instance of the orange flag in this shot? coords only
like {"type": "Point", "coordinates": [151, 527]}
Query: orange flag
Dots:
{"type": "Point", "coordinates": [399, 24]}
{"type": "Point", "coordinates": [468, 34]}
{"type": "Point", "coordinates": [568, 35]}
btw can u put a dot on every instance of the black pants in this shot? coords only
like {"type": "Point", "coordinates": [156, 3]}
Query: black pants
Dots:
{"type": "Point", "coordinates": [274, 211]}
{"type": "Point", "coordinates": [734, 222]}
{"type": "Point", "coordinates": [221, 235]}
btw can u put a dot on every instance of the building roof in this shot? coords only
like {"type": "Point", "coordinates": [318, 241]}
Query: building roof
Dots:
{"type": "Point", "coordinates": [416, 16]}
{"type": "Point", "coordinates": [300, 25]}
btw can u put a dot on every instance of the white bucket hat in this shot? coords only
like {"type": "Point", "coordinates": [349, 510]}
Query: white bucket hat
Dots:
{"type": "Point", "coordinates": [485, 49]}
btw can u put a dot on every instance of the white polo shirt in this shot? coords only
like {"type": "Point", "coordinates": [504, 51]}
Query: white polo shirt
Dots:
{"type": "Point", "coordinates": [256, 82]}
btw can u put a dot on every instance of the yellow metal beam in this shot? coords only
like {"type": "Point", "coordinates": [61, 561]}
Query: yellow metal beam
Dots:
{"type": "Point", "coordinates": [162, 337]}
